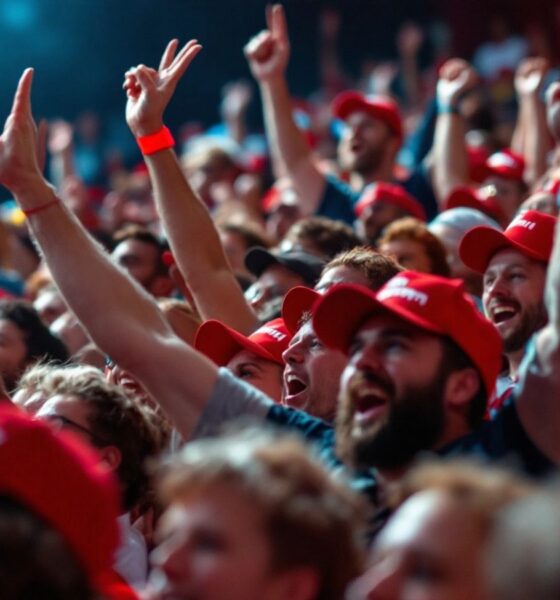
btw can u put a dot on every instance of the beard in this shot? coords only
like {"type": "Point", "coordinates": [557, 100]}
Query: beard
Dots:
{"type": "Point", "coordinates": [532, 319]}
{"type": "Point", "coordinates": [414, 422]}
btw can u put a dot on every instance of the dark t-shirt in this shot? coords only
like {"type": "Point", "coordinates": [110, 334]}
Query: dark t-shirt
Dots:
{"type": "Point", "coordinates": [339, 199]}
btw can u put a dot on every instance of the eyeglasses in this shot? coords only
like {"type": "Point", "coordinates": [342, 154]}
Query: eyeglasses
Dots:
{"type": "Point", "coordinates": [60, 422]}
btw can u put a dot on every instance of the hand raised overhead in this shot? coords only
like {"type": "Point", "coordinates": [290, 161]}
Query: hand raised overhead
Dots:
{"type": "Point", "coordinates": [149, 91]}
{"type": "Point", "coordinates": [268, 52]}
{"type": "Point", "coordinates": [19, 142]}
{"type": "Point", "coordinates": [456, 78]}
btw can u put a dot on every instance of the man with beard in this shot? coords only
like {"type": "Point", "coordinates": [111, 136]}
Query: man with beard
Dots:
{"type": "Point", "coordinates": [421, 362]}
{"type": "Point", "coordinates": [371, 135]}
{"type": "Point", "coordinates": [514, 266]}
{"type": "Point", "coordinates": [199, 397]}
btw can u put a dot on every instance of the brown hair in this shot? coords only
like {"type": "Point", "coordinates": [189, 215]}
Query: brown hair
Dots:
{"type": "Point", "coordinates": [416, 231]}
{"type": "Point", "coordinates": [311, 519]}
{"type": "Point", "coordinates": [481, 489]}
{"type": "Point", "coordinates": [376, 267]}
{"type": "Point", "coordinates": [326, 236]}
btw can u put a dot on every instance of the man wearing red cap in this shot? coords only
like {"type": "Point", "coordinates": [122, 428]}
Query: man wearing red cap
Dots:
{"type": "Point", "coordinates": [503, 187]}
{"type": "Point", "coordinates": [371, 138]}
{"type": "Point", "coordinates": [190, 388]}
{"type": "Point", "coordinates": [382, 203]}
{"type": "Point", "coordinates": [514, 265]}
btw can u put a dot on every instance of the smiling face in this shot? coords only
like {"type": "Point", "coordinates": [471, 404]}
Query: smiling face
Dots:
{"type": "Point", "coordinates": [513, 297]}
{"type": "Point", "coordinates": [261, 373]}
{"type": "Point", "coordinates": [392, 394]}
{"type": "Point", "coordinates": [312, 374]}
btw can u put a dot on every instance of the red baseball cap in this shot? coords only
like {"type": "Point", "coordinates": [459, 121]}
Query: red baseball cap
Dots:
{"type": "Point", "coordinates": [298, 301]}
{"type": "Point", "coordinates": [221, 343]}
{"type": "Point", "coordinates": [506, 164]}
{"type": "Point", "coordinates": [482, 199]}
{"type": "Point", "coordinates": [436, 304]}
{"type": "Point", "coordinates": [64, 482]}
{"type": "Point", "coordinates": [531, 233]}
{"type": "Point", "coordinates": [383, 108]}
{"type": "Point", "coordinates": [391, 194]}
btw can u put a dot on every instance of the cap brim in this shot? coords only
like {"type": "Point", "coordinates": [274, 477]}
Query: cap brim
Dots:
{"type": "Point", "coordinates": [479, 245]}
{"type": "Point", "coordinates": [297, 302]}
{"type": "Point", "coordinates": [220, 343]}
{"type": "Point", "coordinates": [258, 259]}
{"type": "Point", "coordinates": [338, 314]}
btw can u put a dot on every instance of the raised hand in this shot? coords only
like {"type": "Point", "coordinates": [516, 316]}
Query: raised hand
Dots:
{"type": "Point", "coordinates": [149, 91]}
{"type": "Point", "coordinates": [61, 134]}
{"type": "Point", "coordinates": [456, 77]}
{"type": "Point", "coordinates": [409, 39]}
{"type": "Point", "coordinates": [269, 51]}
{"type": "Point", "coordinates": [530, 75]}
{"type": "Point", "coordinates": [19, 143]}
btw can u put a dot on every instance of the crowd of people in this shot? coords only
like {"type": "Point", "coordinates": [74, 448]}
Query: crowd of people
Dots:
{"type": "Point", "coordinates": [315, 364]}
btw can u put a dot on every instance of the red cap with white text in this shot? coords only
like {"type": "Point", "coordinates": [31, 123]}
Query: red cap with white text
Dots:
{"type": "Point", "coordinates": [531, 233]}
{"type": "Point", "coordinates": [436, 304]}
{"type": "Point", "coordinates": [221, 343]}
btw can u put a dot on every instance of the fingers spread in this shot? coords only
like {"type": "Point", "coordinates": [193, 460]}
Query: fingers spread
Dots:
{"type": "Point", "coordinates": [168, 54]}
{"type": "Point", "coordinates": [183, 60]}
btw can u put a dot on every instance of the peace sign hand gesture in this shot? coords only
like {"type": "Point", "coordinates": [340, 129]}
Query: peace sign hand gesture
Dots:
{"type": "Point", "coordinates": [149, 91]}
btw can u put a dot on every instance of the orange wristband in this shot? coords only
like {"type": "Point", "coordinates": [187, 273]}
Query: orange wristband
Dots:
{"type": "Point", "coordinates": [160, 140]}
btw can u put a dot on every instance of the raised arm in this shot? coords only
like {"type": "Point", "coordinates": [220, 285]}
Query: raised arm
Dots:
{"type": "Point", "coordinates": [125, 323]}
{"type": "Point", "coordinates": [192, 235]}
{"type": "Point", "coordinates": [531, 134]}
{"type": "Point", "coordinates": [450, 155]}
{"type": "Point", "coordinates": [539, 399]}
{"type": "Point", "coordinates": [268, 54]}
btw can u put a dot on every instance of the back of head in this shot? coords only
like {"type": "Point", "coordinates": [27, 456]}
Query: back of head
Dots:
{"type": "Point", "coordinates": [52, 483]}
{"type": "Point", "coordinates": [411, 229]}
{"type": "Point", "coordinates": [320, 236]}
{"type": "Point", "coordinates": [35, 560]}
{"type": "Point", "coordinates": [375, 267]}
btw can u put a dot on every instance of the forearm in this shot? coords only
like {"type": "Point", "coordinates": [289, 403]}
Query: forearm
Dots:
{"type": "Point", "coordinates": [411, 81]}
{"type": "Point", "coordinates": [537, 139]}
{"type": "Point", "coordinates": [288, 144]}
{"type": "Point", "coordinates": [121, 318]}
{"type": "Point", "coordinates": [196, 245]}
{"type": "Point", "coordinates": [84, 273]}
{"type": "Point", "coordinates": [450, 155]}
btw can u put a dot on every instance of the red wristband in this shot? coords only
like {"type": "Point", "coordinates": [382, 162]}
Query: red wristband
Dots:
{"type": "Point", "coordinates": [160, 140]}
{"type": "Point", "coordinates": [33, 211]}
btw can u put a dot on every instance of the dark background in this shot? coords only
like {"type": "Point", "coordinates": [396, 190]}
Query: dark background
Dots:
{"type": "Point", "coordinates": [81, 48]}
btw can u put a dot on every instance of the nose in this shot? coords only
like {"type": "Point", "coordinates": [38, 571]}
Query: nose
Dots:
{"type": "Point", "coordinates": [294, 353]}
{"type": "Point", "coordinates": [496, 287]}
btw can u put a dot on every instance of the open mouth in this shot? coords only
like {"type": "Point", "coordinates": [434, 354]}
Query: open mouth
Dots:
{"type": "Point", "coordinates": [369, 404]}
{"type": "Point", "coordinates": [502, 313]}
{"type": "Point", "coordinates": [294, 388]}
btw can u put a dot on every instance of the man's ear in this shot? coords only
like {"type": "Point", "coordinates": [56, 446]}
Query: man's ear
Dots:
{"type": "Point", "coordinates": [111, 457]}
{"type": "Point", "coordinates": [298, 583]}
{"type": "Point", "coordinates": [461, 387]}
